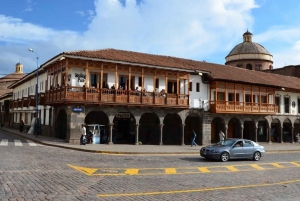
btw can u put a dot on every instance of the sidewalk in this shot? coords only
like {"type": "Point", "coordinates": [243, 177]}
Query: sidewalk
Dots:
{"type": "Point", "coordinates": [138, 149]}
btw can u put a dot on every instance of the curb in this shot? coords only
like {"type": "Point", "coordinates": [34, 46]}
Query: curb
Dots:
{"type": "Point", "coordinates": [128, 153]}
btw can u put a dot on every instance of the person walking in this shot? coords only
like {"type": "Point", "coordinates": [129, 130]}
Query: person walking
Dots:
{"type": "Point", "coordinates": [221, 135]}
{"type": "Point", "coordinates": [83, 135]}
{"type": "Point", "coordinates": [21, 126]}
{"type": "Point", "coordinates": [193, 137]}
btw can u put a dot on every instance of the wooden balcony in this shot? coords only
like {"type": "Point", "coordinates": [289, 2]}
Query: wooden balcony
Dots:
{"type": "Point", "coordinates": [82, 95]}
{"type": "Point", "coordinates": [242, 107]}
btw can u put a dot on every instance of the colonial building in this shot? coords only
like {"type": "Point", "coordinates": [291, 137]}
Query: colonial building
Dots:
{"type": "Point", "coordinates": [133, 94]}
{"type": "Point", "coordinates": [6, 93]}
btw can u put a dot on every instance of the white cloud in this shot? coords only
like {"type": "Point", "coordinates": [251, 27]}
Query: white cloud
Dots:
{"type": "Point", "coordinates": [191, 29]}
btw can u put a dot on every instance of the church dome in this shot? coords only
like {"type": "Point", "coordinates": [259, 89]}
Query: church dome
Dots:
{"type": "Point", "coordinates": [249, 53]}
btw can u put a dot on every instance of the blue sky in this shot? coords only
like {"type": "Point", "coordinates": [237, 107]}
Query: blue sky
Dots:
{"type": "Point", "coordinates": [194, 29]}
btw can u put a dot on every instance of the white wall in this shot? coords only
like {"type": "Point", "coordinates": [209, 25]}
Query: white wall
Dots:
{"type": "Point", "coordinates": [293, 97]}
{"type": "Point", "coordinates": [199, 99]}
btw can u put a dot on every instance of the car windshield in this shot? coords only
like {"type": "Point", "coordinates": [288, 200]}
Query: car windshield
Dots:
{"type": "Point", "coordinates": [226, 142]}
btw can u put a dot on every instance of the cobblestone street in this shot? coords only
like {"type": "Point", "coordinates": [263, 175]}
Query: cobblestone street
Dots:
{"type": "Point", "coordinates": [50, 173]}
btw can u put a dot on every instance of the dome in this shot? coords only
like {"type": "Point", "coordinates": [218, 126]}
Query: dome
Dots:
{"type": "Point", "coordinates": [248, 47]}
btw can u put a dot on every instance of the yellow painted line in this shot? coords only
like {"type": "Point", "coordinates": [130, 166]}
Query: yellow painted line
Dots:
{"type": "Point", "coordinates": [257, 167]}
{"type": "Point", "coordinates": [277, 165]}
{"type": "Point", "coordinates": [132, 171]}
{"type": "Point", "coordinates": [198, 190]}
{"type": "Point", "coordinates": [232, 168]}
{"type": "Point", "coordinates": [85, 170]}
{"type": "Point", "coordinates": [295, 163]}
{"type": "Point", "coordinates": [203, 169]}
{"type": "Point", "coordinates": [170, 170]}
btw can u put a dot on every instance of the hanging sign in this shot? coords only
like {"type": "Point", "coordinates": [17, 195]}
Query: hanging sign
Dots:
{"type": "Point", "coordinates": [77, 109]}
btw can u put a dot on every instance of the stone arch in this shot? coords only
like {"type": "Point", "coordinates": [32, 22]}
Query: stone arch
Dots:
{"type": "Point", "coordinates": [172, 129]}
{"type": "Point", "coordinates": [249, 128]}
{"type": "Point", "coordinates": [234, 128]}
{"type": "Point", "coordinates": [262, 130]}
{"type": "Point", "coordinates": [193, 122]}
{"type": "Point", "coordinates": [249, 66]}
{"type": "Point", "coordinates": [217, 124]}
{"type": "Point", "coordinates": [149, 128]}
{"type": "Point", "coordinates": [124, 128]}
{"type": "Point", "coordinates": [61, 124]}
{"type": "Point", "coordinates": [275, 132]}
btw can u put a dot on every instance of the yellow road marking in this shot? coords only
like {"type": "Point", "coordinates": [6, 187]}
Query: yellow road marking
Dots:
{"type": "Point", "coordinates": [85, 170]}
{"type": "Point", "coordinates": [233, 169]}
{"type": "Point", "coordinates": [295, 163]}
{"type": "Point", "coordinates": [198, 190]}
{"type": "Point", "coordinates": [277, 165]}
{"type": "Point", "coordinates": [257, 167]}
{"type": "Point", "coordinates": [132, 171]}
{"type": "Point", "coordinates": [170, 170]}
{"type": "Point", "coordinates": [203, 169]}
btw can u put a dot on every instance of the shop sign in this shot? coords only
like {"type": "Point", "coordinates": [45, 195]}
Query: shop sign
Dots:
{"type": "Point", "coordinates": [123, 115]}
{"type": "Point", "coordinates": [77, 109]}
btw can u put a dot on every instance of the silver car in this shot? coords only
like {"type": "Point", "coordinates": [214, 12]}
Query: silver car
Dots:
{"type": "Point", "coordinates": [233, 148]}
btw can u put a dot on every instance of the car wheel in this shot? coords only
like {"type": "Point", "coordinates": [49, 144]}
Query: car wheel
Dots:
{"type": "Point", "coordinates": [256, 156]}
{"type": "Point", "coordinates": [224, 156]}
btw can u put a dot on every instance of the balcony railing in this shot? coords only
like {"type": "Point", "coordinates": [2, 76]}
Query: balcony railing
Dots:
{"type": "Point", "coordinates": [111, 96]}
{"type": "Point", "coordinates": [242, 107]}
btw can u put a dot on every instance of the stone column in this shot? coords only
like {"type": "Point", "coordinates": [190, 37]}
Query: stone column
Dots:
{"type": "Point", "coordinates": [226, 130]}
{"type": "Point", "coordinates": [292, 135]}
{"type": "Point", "coordinates": [281, 134]}
{"type": "Point", "coordinates": [242, 132]}
{"type": "Point", "coordinates": [161, 134]}
{"type": "Point", "coordinates": [182, 137]}
{"type": "Point", "coordinates": [270, 137]}
{"type": "Point", "coordinates": [137, 134]}
{"type": "Point", "coordinates": [255, 137]}
{"type": "Point", "coordinates": [110, 133]}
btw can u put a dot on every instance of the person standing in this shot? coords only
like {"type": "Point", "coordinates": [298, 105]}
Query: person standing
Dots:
{"type": "Point", "coordinates": [83, 135]}
{"type": "Point", "coordinates": [21, 126]}
{"type": "Point", "coordinates": [221, 135]}
{"type": "Point", "coordinates": [193, 137]}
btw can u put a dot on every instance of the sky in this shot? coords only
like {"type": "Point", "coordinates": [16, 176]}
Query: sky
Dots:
{"type": "Point", "coordinates": [203, 30]}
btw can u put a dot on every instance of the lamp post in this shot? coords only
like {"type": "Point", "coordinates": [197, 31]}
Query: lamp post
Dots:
{"type": "Point", "coordinates": [36, 93]}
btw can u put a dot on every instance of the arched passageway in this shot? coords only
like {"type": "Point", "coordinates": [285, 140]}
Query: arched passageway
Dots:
{"type": "Point", "coordinates": [249, 129]}
{"type": "Point", "coordinates": [193, 122]}
{"type": "Point", "coordinates": [217, 125]}
{"type": "Point", "coordinates": [287, 131]}
{"type": "Point", "coordinates": [172, 130]}
{"type": "Point", "coordinates": [61, 125]}
{"type": "Point", "coordinates": [149, 129]}
{"type": "Point", "coordinates": [262, 131]}
{"type": "Point", "coordinates": [234, 128]}
{"type": "Point", "coordinates": [124, 128]}
{"type": "Point", "coordinates": [98, 117]}
{"type": "Point", "coordinates": [275, 130]}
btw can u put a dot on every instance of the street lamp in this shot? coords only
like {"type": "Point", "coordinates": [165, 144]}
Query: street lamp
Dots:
{"type": "Point", "coordinates": [36, 93]}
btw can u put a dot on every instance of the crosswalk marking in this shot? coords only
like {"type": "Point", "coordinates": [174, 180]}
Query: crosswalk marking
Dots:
{"type": "Point", "coordinates": [277, 165]}
{"type": "Point", "coordinates": [18, 143]}
{"type": "Point", "coordinates": [203, 169]}
{"type": "Point", "coordinates": [233, 169]}
{"type": "Point", "coordinates": [295, 163]}
{"type": "Point", "coordinates": [31, 143]}
{"type": "Point", "coordinates": [257, 167]}
{"type": "Point", "coordinates": [132, 171]}
{"type": "Point", "coordinates": [4, 142]}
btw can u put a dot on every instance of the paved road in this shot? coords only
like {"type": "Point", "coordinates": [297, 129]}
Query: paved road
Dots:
{"type": "Point", "coordinates": [51, 173]}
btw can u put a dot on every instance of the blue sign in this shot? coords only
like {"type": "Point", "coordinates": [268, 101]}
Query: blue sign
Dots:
{"type": "Point", "coordinates": [77, 109]}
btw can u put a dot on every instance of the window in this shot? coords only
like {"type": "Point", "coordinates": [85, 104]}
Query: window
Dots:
{"type": "Point", "coordinates": [287, 104]}
{"type": "Point", "coordinates": [140, 81]}
{"type": "Point", "coordinates": [191, 86]}
{"type": "Point", "coordinates": [298, 105]}
{"type": "Point", "coordinates": [277, 102]}
{"type": "Point", "coordinates": [157, 83]}
{"type": "Point", "coordinates": [263, 99]}
{"type": "Point", "coordinates": [197, 87]}
{"type": "Point", "coordinates": [249, 66]}
{"type": "Point", "coordinates": [221, 96]}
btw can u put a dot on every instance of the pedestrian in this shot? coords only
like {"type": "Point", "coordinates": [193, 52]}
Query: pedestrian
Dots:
{"type": "Point", "coordinates": [21, 126]}
{"type": "Point", "coordinates": [193, 137]}
{"type": "Point", "coordinates": [83, 135]}
{"type": "Point", "coordinates": [221, 135]}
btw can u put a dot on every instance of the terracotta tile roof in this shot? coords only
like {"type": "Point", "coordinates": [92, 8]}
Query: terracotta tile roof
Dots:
{"type": "Point", "coordinates": [12, 77]}
{"type": "Point", "coordinates": [218, 72]}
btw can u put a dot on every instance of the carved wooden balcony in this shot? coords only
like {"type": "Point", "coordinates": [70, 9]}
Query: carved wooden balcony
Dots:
{"type": "Point", "coordinates": [82, 95]}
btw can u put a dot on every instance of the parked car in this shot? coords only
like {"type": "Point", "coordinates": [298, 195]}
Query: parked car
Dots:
{"type": "Point", "coordinates": [233, 148]}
